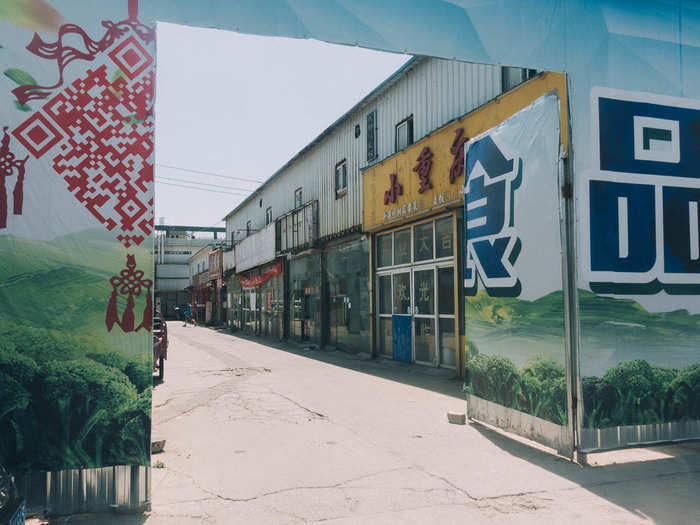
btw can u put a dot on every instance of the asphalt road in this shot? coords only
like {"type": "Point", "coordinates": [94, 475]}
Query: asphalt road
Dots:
{"type": "Point", "coordinates": [259, 434]}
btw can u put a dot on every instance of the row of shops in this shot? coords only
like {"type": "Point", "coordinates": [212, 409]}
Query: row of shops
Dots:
{"type": "Point", "coordinates": [388, 285]}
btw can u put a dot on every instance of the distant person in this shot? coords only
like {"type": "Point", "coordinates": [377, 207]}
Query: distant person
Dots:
{"type": "Point", "coordinates": [188, 314]}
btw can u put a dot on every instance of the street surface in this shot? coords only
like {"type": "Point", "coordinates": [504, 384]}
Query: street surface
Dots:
{"type": "Point", "coordinates": [260, 434]}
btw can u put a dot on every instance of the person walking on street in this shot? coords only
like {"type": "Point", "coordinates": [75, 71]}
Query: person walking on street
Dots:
{"type": "Point", "coordinates": [188, 314]}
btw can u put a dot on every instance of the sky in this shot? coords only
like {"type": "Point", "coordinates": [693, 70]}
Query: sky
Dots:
{"type": "Point", "coordinates": [241, 106]}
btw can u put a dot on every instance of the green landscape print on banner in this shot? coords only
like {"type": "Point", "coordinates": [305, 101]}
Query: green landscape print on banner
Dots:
{"type": "Point", "coordinates": [636, 369]}
{"type": "Point", "coordinates": [73, 394]}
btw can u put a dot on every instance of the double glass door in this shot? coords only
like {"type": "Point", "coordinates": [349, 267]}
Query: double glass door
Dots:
{"type": "Point", "coordinates": [425, 295]}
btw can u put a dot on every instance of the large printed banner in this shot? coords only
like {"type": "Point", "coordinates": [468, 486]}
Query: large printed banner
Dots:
{"type": "Point", "coordinates": [76, 217]}
{"type": "Point", "coordinates": [640, 270]}
{"type": "Point", "coordinates": [514, 304]}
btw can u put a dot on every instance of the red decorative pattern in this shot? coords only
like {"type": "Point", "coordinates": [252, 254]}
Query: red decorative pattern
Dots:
{"type": "Point", "coordinates": [97, 133]}
{"type": "Point", "coordinates": [64, 54]}
{"type": "Point", "coordinates": [131, 57]}
{"type": "Point", "coordinates": [9, 166]}
{"type": "Point", "coordinates": [129, 283]}
{"type": "Point", "coordinates": [37, 134]}
{"type": "Point", "coordinates": [104, 132]}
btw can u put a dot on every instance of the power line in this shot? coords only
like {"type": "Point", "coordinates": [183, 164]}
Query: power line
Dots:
{"type": "Point", "coordinates": [201, 189]}
{"type": "Point", "coordinates": [198, 183]}
{"type": "Point", "coordinates": [210, 173]}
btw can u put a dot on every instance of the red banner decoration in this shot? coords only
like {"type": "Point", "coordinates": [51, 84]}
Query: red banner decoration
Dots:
{"type": "Point", "coordinates": [97, 131]}
{"type": "Point", "coordinates": [130, 283]}
{"type": "Point", "coordinates": [257, 280]}
{"type": "Point", "coordinates": [9, 165]}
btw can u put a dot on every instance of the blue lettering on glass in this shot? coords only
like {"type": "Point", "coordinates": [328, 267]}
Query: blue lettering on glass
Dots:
{"type": "Point", "coordinates": [644, 203]}
{"type": "Point", "coordinates": [492, 244]}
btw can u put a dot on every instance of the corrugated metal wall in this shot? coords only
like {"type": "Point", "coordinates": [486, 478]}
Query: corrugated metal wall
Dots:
{"type": "Point", "coordinates": [434, 91]}
{"type": "Point", "coordinates": [124, 488]}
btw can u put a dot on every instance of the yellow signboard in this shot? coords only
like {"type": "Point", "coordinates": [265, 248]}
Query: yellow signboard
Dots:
{"type": "Point", "coordinates": [429, 175]}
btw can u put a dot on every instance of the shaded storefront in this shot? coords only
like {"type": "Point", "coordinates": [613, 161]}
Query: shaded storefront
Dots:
{"type": "Point", "coordinates": [347, 297]}
{"type": "Point", "coordinates": [304, 292]}
{"type": "Point", "coordinates": [416, 279]}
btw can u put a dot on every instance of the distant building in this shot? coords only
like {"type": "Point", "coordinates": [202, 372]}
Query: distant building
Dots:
{"type": "Point", "coordinates": [173, 248]}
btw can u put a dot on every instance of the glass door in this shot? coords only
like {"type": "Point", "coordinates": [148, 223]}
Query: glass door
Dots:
{"type": "Point", "coordinates": [401, 331]}
{"type": "Point", "coordinates": [424, 315]}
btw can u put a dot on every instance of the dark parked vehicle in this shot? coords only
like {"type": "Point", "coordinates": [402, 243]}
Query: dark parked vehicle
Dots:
{"type": "Point", "coordinates": [160, 344]}
{"type": "Point", "coordinates": [11, 505]}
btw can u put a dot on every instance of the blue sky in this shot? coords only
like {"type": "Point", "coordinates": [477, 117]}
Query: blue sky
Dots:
{"type": "Point", "coordinates": [241, 106]}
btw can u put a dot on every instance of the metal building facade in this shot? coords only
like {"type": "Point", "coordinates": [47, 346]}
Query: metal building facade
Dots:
{"type": "Point", "coordinates": [433, 91]}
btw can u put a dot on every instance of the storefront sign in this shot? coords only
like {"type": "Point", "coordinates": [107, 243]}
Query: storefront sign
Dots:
{"type": "Point", "coordinates": [257, 280]}
{"type": "Point", "coordinates": [429, 175]}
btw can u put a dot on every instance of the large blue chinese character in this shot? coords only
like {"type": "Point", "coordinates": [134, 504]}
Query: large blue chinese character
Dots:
{"type": "Point", "coordinates": [492, 245]}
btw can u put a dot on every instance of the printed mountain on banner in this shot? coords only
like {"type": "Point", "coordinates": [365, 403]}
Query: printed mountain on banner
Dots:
{"type": "Point", "coordinates": [605, 316]}
{"type": "Point", "coordinates": [63, 283]}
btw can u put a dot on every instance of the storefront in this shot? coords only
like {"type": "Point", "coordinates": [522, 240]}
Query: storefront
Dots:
{"type": "Point", "coordinates": [256, 301]}
{"type": "Point", "coordinates": [347, 297]}
{"type": "Point", "coordinates": [416, 279]}
{"type": "Point", "coordinates": [304, 292]}
{"type": "Point", "coordinates": [413, 206]}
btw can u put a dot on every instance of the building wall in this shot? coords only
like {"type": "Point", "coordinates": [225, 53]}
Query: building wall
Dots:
{"type": "Point", "coordinates": [434, 91]}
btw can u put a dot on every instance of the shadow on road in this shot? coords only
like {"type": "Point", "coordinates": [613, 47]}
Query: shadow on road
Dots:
{"type": "Point", "coordinates": [440, 380]}
{"type": "Point", "coordinates": [660, 483]}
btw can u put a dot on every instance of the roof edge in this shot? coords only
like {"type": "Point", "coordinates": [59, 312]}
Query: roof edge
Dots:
{"type": "Point", "coordinates": [410, 62]}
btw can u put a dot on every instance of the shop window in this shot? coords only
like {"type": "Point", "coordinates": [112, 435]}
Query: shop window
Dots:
{"type": "Point", "coordinates": [384, 250]}
{"type": "Point", "coordinates": [423, 242]}
{"type": "Point", "coordinates": [448, 342]}
{"type": "Point", "coordinates": [404, 133]}
{"type": "Point", "coordinates": [297, 198]}
{"type": "Point", "coordinates": [446, 298]}
{"type": "Point", "coordinates": [443, 238]}
{"type": "Point", "coordinates": [268, 215]}
{"type": "Point", "coordinates": [402, 293]}
{"type": "Point", "coordinates": [385, 337]}
{"type": "Point", "coordinates": [425, 339]}
{"type": "Point", "coordinates": [424, 292]}
{"type": "Point", "coordinates": [372, 135]}
{"type": "Point", "coordinates": [402, 246]}
{"type": "Point", "coordinates": [341, 179]}
{"type": "Point", "coordinates": [512, 76]}
{"type": "Point", "coordinates": [385, 294]}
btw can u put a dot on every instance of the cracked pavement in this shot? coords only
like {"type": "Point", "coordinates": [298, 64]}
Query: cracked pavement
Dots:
{"type": "Point", "coordinates": [274, 434]}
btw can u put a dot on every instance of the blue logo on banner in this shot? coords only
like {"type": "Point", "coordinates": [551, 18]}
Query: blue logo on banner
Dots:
{"type": "Point", "coordinates": [492, 244]}
{"type": "Point", "coordinates": [643, 209]}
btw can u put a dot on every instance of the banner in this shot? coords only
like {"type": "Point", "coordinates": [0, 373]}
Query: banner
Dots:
{"type": "Point", "coordinates": [514, 303]}
{"type": "Point", "coordinates": [257, 280]}
{"type": "Point", "coordinates": [640, 271]}
{"type": "Point", "coordinates": [76, 219]}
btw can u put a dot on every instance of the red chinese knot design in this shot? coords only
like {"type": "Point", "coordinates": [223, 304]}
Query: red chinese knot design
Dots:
{"type": "Point", "coordinates": [425, 163]}
{"type": "Point", "coordinates": [395, 189]}
{"type": "Point", "coordinates": [129, 283]}
{"type": "Point", "coordinates": [457, 149]}
{"type": "Point", "coordinates": [9, 166]}
{"type": "Point", "coordinates": [64, 54]}
{"type": "Point", "coordinates": [98, 132]}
